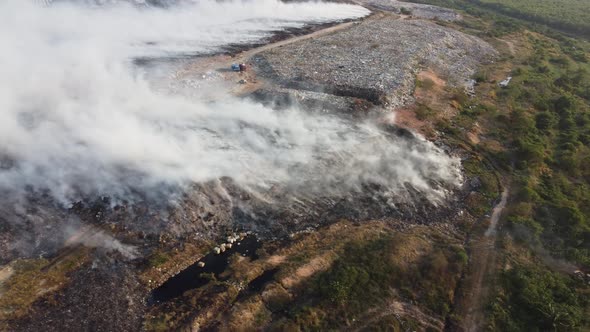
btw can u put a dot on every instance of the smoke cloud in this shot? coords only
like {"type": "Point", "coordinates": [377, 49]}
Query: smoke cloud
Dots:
{"type": "Point", "coordinates": [77, 119]}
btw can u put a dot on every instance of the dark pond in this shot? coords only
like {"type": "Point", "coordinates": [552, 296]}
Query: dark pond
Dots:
{"type": "Point", "coordinates": [194, 276]}
{"type": "Point", "coordinates": [258, 283]}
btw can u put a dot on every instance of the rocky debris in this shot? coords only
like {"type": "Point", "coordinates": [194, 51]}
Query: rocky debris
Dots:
{"type": "Point", "coordinates": [417, 10]}
{"type": "Point", "coordinates": [585, 277]}
{"type": "Point", "coordinates": [470, 87]}
{"type": "Point", "coordinates": [475, 183]}
{"type": "Point", "coordinates": [376, 60]}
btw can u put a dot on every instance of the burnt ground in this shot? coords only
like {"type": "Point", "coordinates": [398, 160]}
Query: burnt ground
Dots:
{"type": "Point", "coordinates": [364, 68]}
{"type": "Point", "coordinates": [103, 295]}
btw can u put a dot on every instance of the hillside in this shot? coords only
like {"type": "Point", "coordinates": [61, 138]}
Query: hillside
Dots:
{"type": "Point", "coordinates": [383, 166]}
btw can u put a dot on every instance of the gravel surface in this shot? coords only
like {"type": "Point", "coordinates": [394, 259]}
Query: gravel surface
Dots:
{"type": "Point", "coordinates": [376, 60]}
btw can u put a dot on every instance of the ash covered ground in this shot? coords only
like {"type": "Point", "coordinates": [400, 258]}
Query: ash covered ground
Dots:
{"type": "Point", "coordinates": [190, 169]}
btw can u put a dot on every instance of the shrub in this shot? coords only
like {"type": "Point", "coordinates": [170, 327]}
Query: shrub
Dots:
{"type": "Point", "coordinates": [481, 76]}
{"type": "Point", "coordinates": [545, 120]}
{"type": "Point", "coordinates": [405, 11]}
{"type": "Point", "coordinates": [540, 298]}
{"type": "Point", "coordinates": [423, 112]}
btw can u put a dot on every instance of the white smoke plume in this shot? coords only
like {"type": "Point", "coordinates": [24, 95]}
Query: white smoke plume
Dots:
{"type": "Point", "coordinates": [95, 238]}
{"type": "Point", "coordinates": [77, 120]}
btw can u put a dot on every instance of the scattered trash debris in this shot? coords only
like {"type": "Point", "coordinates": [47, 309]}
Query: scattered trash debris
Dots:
{"type": "Point", "coordinates": [384, 76]}
{"type": "Point", "coordinates": [470, 87]}
{"type": "Point", "coordinates": [582, 276]}
{"type": "Point", "coordinates": [505, 82]}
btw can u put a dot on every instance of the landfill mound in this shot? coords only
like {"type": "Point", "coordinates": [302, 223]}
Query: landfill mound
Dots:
{"type": "Point", "coordinates": [376, 60]}
{"type": "Point", "coordinates": [98, 245]}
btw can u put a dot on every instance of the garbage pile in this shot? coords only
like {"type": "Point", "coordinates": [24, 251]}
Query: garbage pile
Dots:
{"type": "Point", "coordinates": [376, 60]}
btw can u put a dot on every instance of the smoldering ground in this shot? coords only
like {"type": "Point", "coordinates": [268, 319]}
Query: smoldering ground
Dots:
{"type": "Point", "coordinates": [78, 122]}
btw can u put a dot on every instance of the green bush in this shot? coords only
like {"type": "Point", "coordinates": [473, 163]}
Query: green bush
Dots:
{"type": "Point", "coordinates": [423, 112]}
{"type": "Point", "coordinates": [541, 300]}
{"type": "Point", "coordinates": [545, 120]}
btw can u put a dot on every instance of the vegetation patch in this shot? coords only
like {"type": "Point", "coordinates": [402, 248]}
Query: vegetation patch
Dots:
{"type": "Point", "coordinates": [416, 268]}
{"type": "Point", "coordinates": [539, 124]}
{"type": "Point", "coordinates": [537, 299]}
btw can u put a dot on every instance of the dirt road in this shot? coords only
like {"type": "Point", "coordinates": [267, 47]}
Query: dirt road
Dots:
{"type": "Point", "coordinates": [482, 260]}
{"type": "Point", "coordinates": [216, 69]}
{"type": "Point", "coordinates": [244, 56]}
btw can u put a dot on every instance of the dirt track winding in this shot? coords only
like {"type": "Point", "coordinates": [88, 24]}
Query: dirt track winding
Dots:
{"type": "Point", "coordinates": [481, 269]}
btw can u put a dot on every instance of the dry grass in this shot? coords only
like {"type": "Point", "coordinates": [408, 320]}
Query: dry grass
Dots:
{"type": "Point", "coordinates": [31, 279]}
{"type": "Point", "coordinates": [433, 102]}
{"type": "Point", "coordinates": [315, 265]}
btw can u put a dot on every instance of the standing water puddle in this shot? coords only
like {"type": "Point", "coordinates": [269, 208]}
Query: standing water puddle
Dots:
{"type": "Point", "coordinates": [258, 283]}
{"type": "Point", "coordinates": [194, 276]}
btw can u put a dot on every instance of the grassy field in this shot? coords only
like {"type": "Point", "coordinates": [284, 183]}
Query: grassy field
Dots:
{"type": "Point", "coordinates": [538, 131]}
{"type": "Point", "coordinates": [569, 15]}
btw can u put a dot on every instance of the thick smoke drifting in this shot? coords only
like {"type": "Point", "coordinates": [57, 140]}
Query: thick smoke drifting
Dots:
{"type": "Point", "coordinates": [78, 121]}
